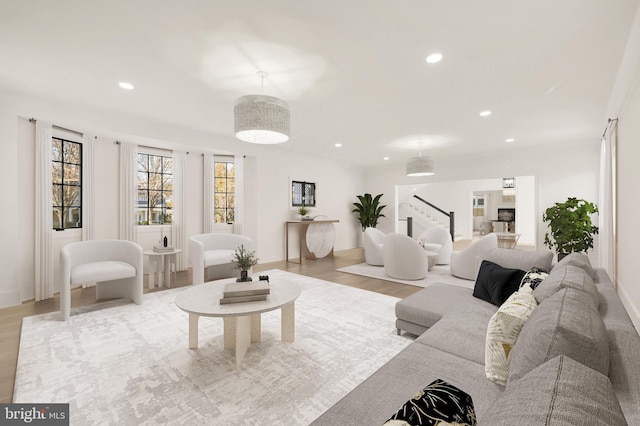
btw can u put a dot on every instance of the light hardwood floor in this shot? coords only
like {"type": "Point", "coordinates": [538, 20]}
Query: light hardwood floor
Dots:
{"type": "Point", "coordinates": [324, 269]}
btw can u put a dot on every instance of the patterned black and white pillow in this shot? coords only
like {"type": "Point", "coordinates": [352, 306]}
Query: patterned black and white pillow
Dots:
{"type": "Point", "coordinates": [439, 403]}
{"type": "Point", "coordinates": [533, 278]}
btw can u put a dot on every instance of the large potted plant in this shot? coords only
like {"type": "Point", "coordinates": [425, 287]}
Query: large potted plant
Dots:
{"type": "Point", "coordinates": [369, 210]}
{"type": "Point", "coordinates": [243, 260]}
{"type": "Point", "coordinates": [570, 227]}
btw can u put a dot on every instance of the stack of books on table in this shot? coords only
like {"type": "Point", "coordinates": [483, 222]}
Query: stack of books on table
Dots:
{"type": "Point", "coordinates": [162, 249]}
{"type": "Point", "coordinates": [245, 292]}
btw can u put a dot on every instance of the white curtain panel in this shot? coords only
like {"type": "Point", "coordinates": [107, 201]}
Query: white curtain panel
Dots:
{"type": "Point", "coordinates": [178, 235]}
{"type": "Point", "coordinates": [208, 173]}
{"type": "Point", "coordinates": [44, 214]}
{"type": "Point", "coordinates": [88, 199]}
{"type": "Point", "coordinates": [128, 189]}
{"type": "Point", "coordinates": [607, 207]}
{"type": "Point", "coordinates": [239, 195]}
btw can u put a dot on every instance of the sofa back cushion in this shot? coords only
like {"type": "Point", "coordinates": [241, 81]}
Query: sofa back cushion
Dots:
{"type": "Point", "coordinates": [559, 392]}
{"type": "Point", "coordinates": [519, 259]}
{"type": "Point", "coordinates": [580, 260]}
{"type": "Point", "coordinates": [564, 324]}
{"type": "Point", "coordinates": [567, 276]}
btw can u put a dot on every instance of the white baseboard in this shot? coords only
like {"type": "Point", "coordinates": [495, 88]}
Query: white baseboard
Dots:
{"type": "Point", "coordinates": [10, 298]}
{"type": "Point", "coordinates": [632, 310]}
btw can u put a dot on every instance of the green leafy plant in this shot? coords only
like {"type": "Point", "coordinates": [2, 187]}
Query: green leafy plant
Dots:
{"type": "Point", "coordinates": [570, 226]}
{"type": "Point", "coordinates": [244, 259]}
{"type": "Point", "coordinates": [369, 210]}
{"type": "Point", "coordinates": [303, 210]}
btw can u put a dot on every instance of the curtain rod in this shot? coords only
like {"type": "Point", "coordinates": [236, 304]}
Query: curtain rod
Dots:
{"type": "Point", "coordinates": [152, 147]}
{"type": "Point", "coordinates": [609, 121]}
{"type": "Point", "coordinates": [33, 120]}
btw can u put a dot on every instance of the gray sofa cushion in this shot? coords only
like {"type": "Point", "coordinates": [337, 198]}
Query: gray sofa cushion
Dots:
{"type": "Point", "coordinates": [429, 305]}
{"type": "Point", "coordinates": [380, 395]}
{"type": "Point", "coordinates": [624, 371]}
{"type": "Point", "coordinates": [462, 334]}
{"type": "Point", "coordinates": [567, 276]}
{"type": "Point", "coordinates": [580, 260]}
{"type": "Point", "coordinates": [559, 392]}
{"type": "Point", "coordinates": [518, 259]}
{"type": "Point", "coordinates": [564, 324]}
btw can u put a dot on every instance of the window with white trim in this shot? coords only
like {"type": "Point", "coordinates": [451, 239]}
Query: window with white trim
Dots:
{"type": "Point", "coordinates": [155, 189]}
{"type": "Point", "coordinates": [224, 183]}
{"type": "Point", "coordinates": [66, 178]}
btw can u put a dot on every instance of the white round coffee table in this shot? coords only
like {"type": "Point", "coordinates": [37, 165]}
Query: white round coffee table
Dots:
{"type": "Point", "coordinates": [242, 321]}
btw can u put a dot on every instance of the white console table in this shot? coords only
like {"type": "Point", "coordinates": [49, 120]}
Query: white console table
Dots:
{"type": "Point", "coordinates": [315, 238]}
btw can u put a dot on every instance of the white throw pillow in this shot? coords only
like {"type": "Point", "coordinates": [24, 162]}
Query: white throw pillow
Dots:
{"type": "Point", "coordinates": [502, 333]}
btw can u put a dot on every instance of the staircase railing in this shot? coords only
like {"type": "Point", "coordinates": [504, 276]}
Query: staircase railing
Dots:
{"type": "Point", "coordinates": [450, 215]}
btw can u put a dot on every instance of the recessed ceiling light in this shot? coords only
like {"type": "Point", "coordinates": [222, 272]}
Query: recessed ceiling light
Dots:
{"type": "Point", "coordinates": [485, 113]}
{"type": "Point", "coordinates": [338, 145]}
{"type": "Point", "coordinates": [125, 85]}
{"type": "Point", "coordinates": [509, 140]}
{"type": "Point", "coordinates": [434, 57]}
{"type": "Point", "coordinates": [385, 158]}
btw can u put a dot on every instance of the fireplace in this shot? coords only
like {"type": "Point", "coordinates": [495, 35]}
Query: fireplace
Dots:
{"type": "Point", "coordinates": [506, 215]}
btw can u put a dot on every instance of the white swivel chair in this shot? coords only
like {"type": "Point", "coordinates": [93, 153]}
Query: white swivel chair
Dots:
{"type": "Point", "coordinates": [404, 259]}
{"type": "Point", "coordinates": [214, 252]}
{"type": "Point", "coordinates": [464, 263]}
{"type": "Point", "coordinates": [372, 243]}
{"type": "Point", "coordinates": [114, 265]}
{"type": "Point", "coordinates": [438, 239]}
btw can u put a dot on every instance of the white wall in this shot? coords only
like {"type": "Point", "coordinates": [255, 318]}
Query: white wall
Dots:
{"type": "Point", "coordinates": [266, 197]}
{"type": "Point", "coordinates": [628, 199]}
{"type": "Point", "coordinates": [570, 170]}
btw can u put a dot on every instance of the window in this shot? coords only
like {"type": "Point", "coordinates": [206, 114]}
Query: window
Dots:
{"type": "Point", "coordinates": [155, 189]}
{"type": "Point", "coordinates": [66, 173]}
{"type": "Point", "coordinates": [478, 205]}
{"type": "Point", "coordinates": [303, 194]}
{"type": "Point", "coordinates": [224, 191]}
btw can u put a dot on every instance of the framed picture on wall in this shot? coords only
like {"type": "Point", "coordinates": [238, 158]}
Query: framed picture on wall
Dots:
{"type": "Point", "coordinates": [303, 193]}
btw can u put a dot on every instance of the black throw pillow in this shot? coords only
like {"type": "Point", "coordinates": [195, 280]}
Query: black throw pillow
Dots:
{"type": "Point", "coordinates": [495, 284]}
{"type": "Point", "coordinates": [438, 403]}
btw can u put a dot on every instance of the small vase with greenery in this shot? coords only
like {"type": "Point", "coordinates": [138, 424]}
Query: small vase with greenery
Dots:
{"type": "Point", "coordinates": [570, 226]}
{"type": "Point", "coordinates": [243, 260]}
{"type": "Point", "coordinates": [303, 211]}
{"type": "Point", "coordinates": [369, 210]}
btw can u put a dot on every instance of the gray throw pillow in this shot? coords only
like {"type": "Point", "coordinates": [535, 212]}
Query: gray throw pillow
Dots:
{"type": "Point", "coordinates": [559, 392]}
{"type": "Point", "coordinates": [564, 324]}
{"type": "Point", "coordinates": [567, 276]}
{"type": "Point", "coordinates": [580, 260]}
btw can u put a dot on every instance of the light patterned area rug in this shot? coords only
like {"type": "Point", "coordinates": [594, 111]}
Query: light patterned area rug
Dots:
{"type": "Point", "coordinates": [439, 274]}
{"type": "Point", "coordinates": [126, 364]}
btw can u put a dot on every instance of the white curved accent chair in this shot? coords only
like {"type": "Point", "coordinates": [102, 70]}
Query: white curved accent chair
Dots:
{"type": "Point", "coordinates": [404, 258]}
{"type": "Point", "coordinates": [214, 252]}
{"type": "Point", "coordinates": [114, 265]}
{"type": "Point", "coordinates": [464, 263]}
{"type": "Point", "coordinates": [373, 246]}
{"type": "Point", "coordinates": [438, 239]}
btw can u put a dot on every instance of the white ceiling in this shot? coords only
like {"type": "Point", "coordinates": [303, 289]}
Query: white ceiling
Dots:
{"type": "Point", "coordinates": [353, 72]}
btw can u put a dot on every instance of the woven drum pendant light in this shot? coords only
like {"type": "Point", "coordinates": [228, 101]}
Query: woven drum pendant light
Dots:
{"type": "Point", "coordinates": [420, 166]}
{"type": "Point", "coordinates": [261, 119]}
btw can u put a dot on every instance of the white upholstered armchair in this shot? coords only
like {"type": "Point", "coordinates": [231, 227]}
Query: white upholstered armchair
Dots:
{"type": "Point", "coordinates": [114, 265]}
{"type": "Point", "coordinates": [464, 263]}
{"type": "Point", "coordinates": [438, 239]}
{"type": "Point", "coordinates": [372, 243]}
{"type": "Point", "coordinates": [214, 252]}
{"type": "Point", "coordinates": [404, 258]}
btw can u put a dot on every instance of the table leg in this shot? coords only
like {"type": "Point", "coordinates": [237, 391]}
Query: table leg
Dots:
{"type": "Point", "coordinates": [152, 270]}
{"type": "Point", "coordinates": [243, 337]}
{"type": "Point", "coordinates": [256, 328]}
{"type": "Point", "coordinates": [288, 326]}
{"type": "Point", "coordinates": [193, 331]}
{"type": "Point", "coordinates": [229, 332]}
{"type": "Point", "coordinates": [167, 270]}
